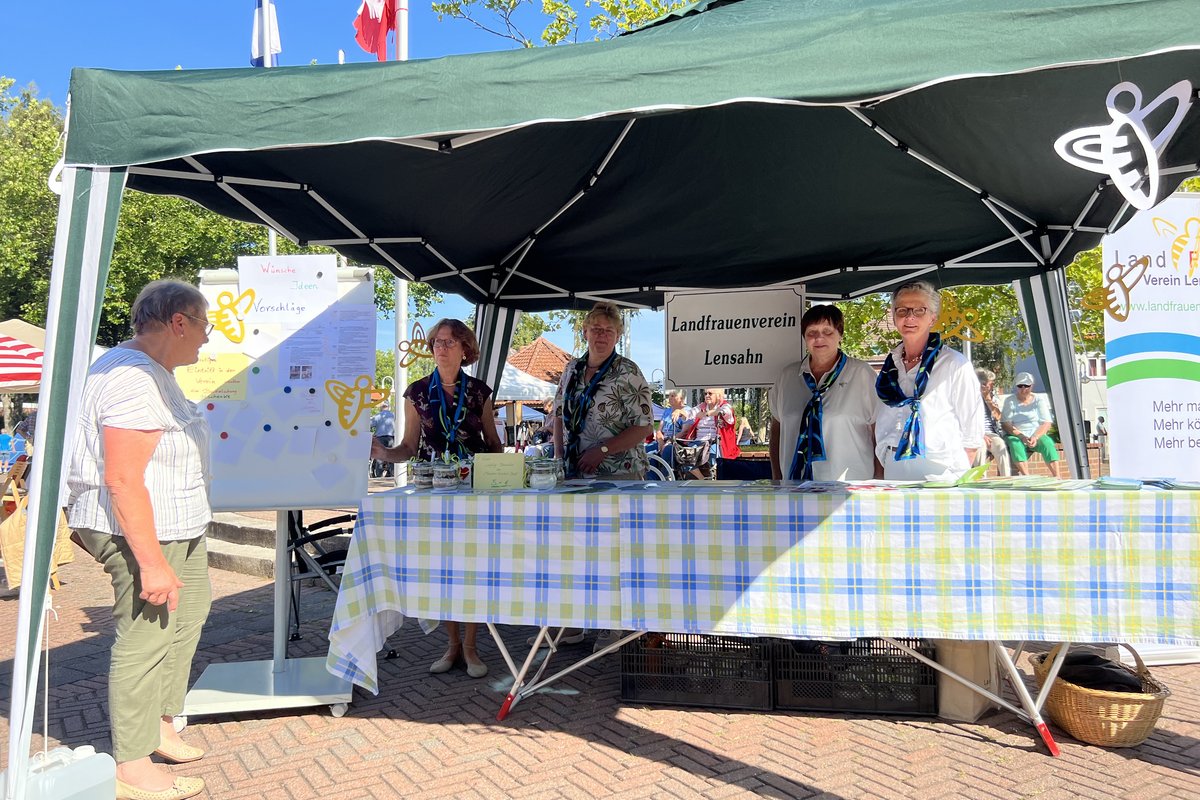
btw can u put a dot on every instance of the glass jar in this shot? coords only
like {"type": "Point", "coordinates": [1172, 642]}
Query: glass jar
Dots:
{"type": "Point", "coordinates": [560, 469]}
{"type": "Point", "coordinates": [422, 474]}
{"type": "Point", "coordinates": [445, 477]}
{"type": "Point", "coordinates": [542, 476]}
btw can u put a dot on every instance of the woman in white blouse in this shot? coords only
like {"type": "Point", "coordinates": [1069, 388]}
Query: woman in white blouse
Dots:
{"type": "Point", "coordinates": [138, 503]}
{"type": "Point", "coordinates": [823, 408]}
{"type": "Point", "coordinates": [929, 422]}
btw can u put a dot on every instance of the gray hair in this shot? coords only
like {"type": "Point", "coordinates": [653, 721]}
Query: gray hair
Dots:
{"type": "Point", "coordinates": [985, 375]}
{"type": "Point", "coordinates": [160, 300]}
{"type": "Point", "coordinates": [608, 311]}
{"type": "Point", "coordinates": [924, 287]}
{"type": "Point", "coordinates": [676, 393]}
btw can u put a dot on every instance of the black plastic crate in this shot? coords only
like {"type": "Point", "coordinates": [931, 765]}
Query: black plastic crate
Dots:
{"type": "Point", "coordinates": [697, 670]}
{"type": "Point", "coordinates": [868, 675]}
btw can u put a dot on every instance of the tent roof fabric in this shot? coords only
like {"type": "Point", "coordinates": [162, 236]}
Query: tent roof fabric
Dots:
{"type": "Point", "coordinates": [845, 144]}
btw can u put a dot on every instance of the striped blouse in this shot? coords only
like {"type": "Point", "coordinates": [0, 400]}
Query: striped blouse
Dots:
{"type": "Point", "coordinates": [127, 389]}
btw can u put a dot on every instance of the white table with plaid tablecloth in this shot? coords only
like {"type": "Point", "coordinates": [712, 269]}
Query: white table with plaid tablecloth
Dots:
{"type": "Point", "coordinates": [771, 561]}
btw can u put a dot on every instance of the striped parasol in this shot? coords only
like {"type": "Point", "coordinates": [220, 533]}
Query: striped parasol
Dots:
{"type": "Point", "coordinates": [20, 366]}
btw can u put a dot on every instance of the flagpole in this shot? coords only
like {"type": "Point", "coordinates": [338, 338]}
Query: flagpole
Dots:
{"type": "Point", "coordinates": [264, 47]}
{"type": "Point", "coordinates": [401, 380]}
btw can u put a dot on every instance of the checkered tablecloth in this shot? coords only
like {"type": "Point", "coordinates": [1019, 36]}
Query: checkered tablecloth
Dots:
{"type": "Point", "coordinates": [955, 564]}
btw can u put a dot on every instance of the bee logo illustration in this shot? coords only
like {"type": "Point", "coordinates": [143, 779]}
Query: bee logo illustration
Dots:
{"type": "Point", "coordinates": [230, 313]}
{"type": "Point", "coordinates": [415, 347]}
{"type": "Point", "coordinates": [352, 401]}
{"type": "Point", "coordinates": [957, 321]}
{"type": "Point", "coordinates": [1113, 297]}
{"type": "Point", "coordinates": [1124, 149]}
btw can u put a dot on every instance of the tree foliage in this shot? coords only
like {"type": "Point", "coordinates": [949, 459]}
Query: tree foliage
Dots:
{"type": "Point", "coordinates": [156, 236]}
{"type": "Point", "coordinates": [558, 19]}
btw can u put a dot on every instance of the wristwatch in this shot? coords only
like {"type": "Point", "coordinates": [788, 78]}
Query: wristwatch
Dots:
{"type": "Point", "coordinates": [604, 449]}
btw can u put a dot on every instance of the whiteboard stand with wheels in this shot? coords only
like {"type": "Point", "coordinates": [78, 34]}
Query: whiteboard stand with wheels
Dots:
{"type": "Point", "coordinates": [286, 383]}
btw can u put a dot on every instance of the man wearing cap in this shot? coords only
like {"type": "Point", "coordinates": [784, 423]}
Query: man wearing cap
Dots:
{"type": "Point", "coordinates": [1026, 419]}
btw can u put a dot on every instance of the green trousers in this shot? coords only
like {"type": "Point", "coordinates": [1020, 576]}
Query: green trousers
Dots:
{"type": "Point", "coordinates": [152, 654]}
{"type": "Point", "coordinates": [1045, 445]}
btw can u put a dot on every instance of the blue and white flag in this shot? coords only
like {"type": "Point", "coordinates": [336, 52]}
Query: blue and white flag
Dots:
{"type": "Point", "coordinates": [256, 38]}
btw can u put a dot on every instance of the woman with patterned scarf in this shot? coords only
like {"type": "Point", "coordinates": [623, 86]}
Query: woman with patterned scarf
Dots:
{"type": "Point", "coordinates": [601, 418]}
{"type": "Point", "coordinates": [448, 412]}
{"type": "Point", "coordinates": [930, 421]}
{"type": "Point", "coordinates": [602, 411]}
{"type": "Point", "coordinates": [823, 408]}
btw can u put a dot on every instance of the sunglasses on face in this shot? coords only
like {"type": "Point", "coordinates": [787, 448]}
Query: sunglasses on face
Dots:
{"type": "Point", "coordinates": [1024, 386]}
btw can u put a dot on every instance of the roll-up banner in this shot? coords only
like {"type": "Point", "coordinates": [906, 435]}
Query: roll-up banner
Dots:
{"type": "Point", "coordinates": [740, 337]}
{"type": "Point", "coordinates": [1151, 300]}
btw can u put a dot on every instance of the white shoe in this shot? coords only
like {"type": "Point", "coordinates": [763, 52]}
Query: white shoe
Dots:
{"type": "Point", "coordinates": [568, 638]}
{"type": "Point", "coordinates": [606, 638]}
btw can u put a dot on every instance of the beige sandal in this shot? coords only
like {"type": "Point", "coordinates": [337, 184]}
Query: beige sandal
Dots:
{"type": "Point", "coordinates": [179, 752]}
{"type": "Point", "coordinates": [182, 788]}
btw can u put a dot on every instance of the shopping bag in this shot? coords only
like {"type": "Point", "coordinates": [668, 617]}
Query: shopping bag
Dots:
{"type": "Point", "coordinates": [12, 542]}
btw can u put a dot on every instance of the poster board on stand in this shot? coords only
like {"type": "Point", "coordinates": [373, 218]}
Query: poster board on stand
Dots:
{"type": "Point", "coordinates": [286, 382]}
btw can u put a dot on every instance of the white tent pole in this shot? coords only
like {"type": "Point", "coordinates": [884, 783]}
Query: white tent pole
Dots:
{"type": "Point", "coordinates": [401, 380]}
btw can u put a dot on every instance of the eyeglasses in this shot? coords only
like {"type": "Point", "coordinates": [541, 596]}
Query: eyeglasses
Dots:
{"type": "Point", "coordinates": [208, 326]}
{"type": "Point", "coordinates": [904, 311]}
{"type": "Point", "coordinates": [1024, 385]}
{"type": "Point", "coordinates": [604, 331]}
{"type": "Point", "coordinates": [444, 344]}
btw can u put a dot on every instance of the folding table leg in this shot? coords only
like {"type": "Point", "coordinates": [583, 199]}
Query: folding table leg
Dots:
{"type": "Point", "coordinates": [1033, 709]}
{"type": "Point", "coordinates": [519, 675]}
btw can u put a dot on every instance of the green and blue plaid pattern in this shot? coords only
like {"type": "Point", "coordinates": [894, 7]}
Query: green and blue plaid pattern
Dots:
{"type": "Point", "coordinates": [952, 564]}
{"type": "Point", "coordinates": [516, 559]}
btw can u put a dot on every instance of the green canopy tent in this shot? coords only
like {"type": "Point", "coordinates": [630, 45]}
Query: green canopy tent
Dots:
{"type": "Point", "coordinates": [846, 145]}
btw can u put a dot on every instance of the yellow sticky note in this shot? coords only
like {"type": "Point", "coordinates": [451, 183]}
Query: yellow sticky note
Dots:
{"type": "Point", "coordinates": [498, 471]}
{"type": "Point", "coordinates": [217, 376]}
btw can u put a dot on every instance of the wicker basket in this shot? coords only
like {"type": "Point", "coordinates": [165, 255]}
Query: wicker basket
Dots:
{"type": "Point", "coordinates": [1100, 717]}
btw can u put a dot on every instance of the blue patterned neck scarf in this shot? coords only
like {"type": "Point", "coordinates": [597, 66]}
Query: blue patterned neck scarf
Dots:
{"type": "Point", "coordinates": [450, 422]}
{"type": "Point", "coordinates": [577, 403]}
{"type": "Point", "coordinates": [887, 387]}
{"type": "Point", "coordinates": [810, 444]}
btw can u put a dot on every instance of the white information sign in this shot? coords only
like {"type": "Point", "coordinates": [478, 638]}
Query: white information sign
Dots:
{"type": "Point", "coordinates": [742, 337]}
{"type": "Point", "coordinates": [289, 290]}
{"type": "Point", "coordinates": [285, 382]}
{"type": "Point", "coordinates": [1152, 328]}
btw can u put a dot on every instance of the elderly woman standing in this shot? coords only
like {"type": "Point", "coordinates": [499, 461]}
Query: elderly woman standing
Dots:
{"type": "Point", "coordinates": [601, 413]}
{"type": "Point", "coordinates": [823, 408]}
{"type": "Point", "coordinates": [138, 501]}
{"type": "Point", "coordinates": [930, 422]}
{"type": "Point", "coordinates": [601, 417]}
{"type": "Point", "coordinates": [450, 412]}
{"type": "Point", "coordinates": [1026, 420]}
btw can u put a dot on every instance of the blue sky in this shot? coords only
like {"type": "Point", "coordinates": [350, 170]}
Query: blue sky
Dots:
{"type": "Point", "coordinates": [41, 49]}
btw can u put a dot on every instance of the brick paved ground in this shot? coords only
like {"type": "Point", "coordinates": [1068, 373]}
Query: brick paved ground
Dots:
{"type": "Point", "coordinates": [435, 736]}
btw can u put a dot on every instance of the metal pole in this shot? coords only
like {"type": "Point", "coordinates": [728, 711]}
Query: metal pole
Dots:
{"type": "Point", "coordinates": [401, 380]}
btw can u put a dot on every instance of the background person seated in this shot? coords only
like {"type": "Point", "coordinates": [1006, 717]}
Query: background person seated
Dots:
{"type": "Point", "coordinates": [1026, 419]}
{"type": "Point", "coordinates": [993, 431]}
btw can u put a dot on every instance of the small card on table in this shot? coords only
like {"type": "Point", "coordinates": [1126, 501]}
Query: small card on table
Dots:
{"type": "Point", "coordinates": [498, 471]}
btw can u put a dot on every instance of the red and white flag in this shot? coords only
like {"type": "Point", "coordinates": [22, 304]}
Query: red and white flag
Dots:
{"type": "Point", "coordinates": [375, 19]}
{"type": "Point", "coordinates": [20, 363]}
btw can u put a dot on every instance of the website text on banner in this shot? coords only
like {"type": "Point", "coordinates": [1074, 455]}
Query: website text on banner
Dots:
{"type": "Point", "coordinates": [1151, 301]}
